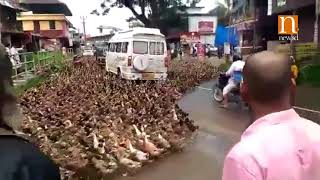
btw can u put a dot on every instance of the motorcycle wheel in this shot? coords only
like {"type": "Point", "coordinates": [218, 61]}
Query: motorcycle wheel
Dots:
{"type": "Point", "coordinates": [217, 95]}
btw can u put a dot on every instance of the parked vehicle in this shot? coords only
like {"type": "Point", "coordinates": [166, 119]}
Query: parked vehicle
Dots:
{"type": "Point", "coordinates": [211, 50]}
{"type": "Point", "coordinates": [88, 51]}
{"type": "Point", "coordinates": [100, 49]}
{"type": "Point", "coordinates": [233, 96]}
{"type": "Point", "coordinates": [138, 54]}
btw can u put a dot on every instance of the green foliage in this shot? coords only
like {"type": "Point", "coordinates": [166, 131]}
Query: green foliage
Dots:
{"type": "Point", "coordinates": [55, 64]}
{"type": "Point", "coordinates": [225, 66]}
{"type": "Point", "coordinates": [310, 75]}
{"type": "Point", "coordinates": [34, 82]}
{"type": "Point", "coordinates": [308, 61]}
{"type": "Point", "coordinates": [163, 14]}
{"type": "Point", "coordinates": [306, 51]}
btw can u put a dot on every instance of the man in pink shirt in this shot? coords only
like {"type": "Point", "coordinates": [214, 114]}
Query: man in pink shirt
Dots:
{"type": "Point", "coordinates": [279, 145]}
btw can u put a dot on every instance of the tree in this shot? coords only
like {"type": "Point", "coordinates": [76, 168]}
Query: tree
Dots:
{"type": "Point", "coordinates": [134, 22]}
{"type": "Point", "coordinates": [161, 14]}
{"type": "Point", "coordinates": [221, 11]}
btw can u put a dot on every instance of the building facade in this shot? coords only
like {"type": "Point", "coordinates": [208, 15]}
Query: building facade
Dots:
{"type": "Point", "coordinates": [47, 21]}
{"type": "Point", "coordinates": [244, 18]}
{"type": "Point", "coordinates": [204, 25]}
{"type": "Point", "coordinates": [256, 21]}
{"type": "Point", "coordinates": [304, 9]}
{"type": "Point", "coordinates": [52, 28]}
{"type": "Point", "coordinates": [10, 30]}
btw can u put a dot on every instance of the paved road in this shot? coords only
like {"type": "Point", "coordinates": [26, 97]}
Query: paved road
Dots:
{"type": "Point", "coordinates": [203, 159]}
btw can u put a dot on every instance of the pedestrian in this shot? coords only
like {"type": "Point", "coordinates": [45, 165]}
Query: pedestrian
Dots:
{"type": "Point", "coordinates": [180, 52]}
{"type": "Point", "coordinates": [19, 158]}
{"type": "Point", "coordinates": [279, 145]}
{"type": "Point", "coordinates": [220, 52]}
{"type": "Point", "coordinates": [294, 76]}
{"type": "Point", "coordinates": [15, 54]}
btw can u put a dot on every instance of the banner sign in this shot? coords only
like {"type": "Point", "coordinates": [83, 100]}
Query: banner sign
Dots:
{"type": "Point", "coordinates": [205, 26]}
{"type": "Point", "coordinates": [189, 37]}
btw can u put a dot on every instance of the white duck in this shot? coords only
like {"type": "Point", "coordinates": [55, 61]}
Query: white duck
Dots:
{"type": "Point", "coordinates": [149, 147]}
{"type": "Point", "coordinates": [130, 163]}
{"type": "Point", "coordinates": [101, 147]}
{"type": "Point", "coordinates": [95, 141]}
{"type": "Point", "coordinates": [163, 142]}
{"type": "Point", "coordinates": [139, 155]}
{"type": "Point", "coordinates": [122, 157]}
{"type": "Point", "coordinates": [175, 117]}
{"type": "Point", "coordinates": [68, 124]}
{"type": "Point", "coordinates": [138, 132]}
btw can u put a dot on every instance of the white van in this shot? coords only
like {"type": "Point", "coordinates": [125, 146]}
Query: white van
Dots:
{"type": "Point", "coordinates": [138, 54]}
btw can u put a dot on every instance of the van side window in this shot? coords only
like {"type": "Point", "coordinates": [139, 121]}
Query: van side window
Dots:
{"type": "Point", "coordinates": [161, 48]}
{"type": "Point", "coordinates": [156, 48]}
{"type": "Point", "coordinates": [124, 48]}
{"type": "Point", "coordinates": [118, 47]}
{"type": "Point", "coordinates": [152, 48]}
{"type": "Point", "coordinates": [108, 46]}
{"type": "Point", "coordinates": [112, 47]}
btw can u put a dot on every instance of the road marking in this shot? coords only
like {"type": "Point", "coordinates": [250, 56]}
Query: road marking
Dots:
{"type": "Point", "coordinates": [204, 88]}
{"type": "Point", "coordinates": [305, 109]}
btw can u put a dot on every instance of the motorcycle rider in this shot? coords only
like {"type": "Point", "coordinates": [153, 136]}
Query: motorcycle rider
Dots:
{"type": "Point", "coordinates": [235, 74]}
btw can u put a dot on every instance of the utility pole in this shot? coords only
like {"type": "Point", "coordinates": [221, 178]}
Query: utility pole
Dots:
{"type": "Point", "coordinates": [83, 18]}
{"type": "Point", "coordinates": [255, 5]}
{"type": "Point", "coordinates": [230, 2]}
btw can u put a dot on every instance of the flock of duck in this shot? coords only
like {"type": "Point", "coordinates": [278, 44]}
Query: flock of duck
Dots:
{"type": "Point", "coordinates": [97, 124]}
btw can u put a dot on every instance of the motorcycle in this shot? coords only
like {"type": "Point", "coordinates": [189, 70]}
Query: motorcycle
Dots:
{"type": "Point", "coordinates": [233, 96]}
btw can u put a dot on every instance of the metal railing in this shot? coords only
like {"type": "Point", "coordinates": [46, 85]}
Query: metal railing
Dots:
{"type": "Point", "coordinates": [30, 63]}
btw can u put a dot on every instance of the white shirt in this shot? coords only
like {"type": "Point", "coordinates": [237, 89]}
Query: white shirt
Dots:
{"type": "Point", "coordinates": [236, 66]}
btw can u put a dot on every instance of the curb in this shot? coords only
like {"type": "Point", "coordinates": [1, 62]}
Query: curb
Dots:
{"type": "Point", "coordinates": [308, 114]}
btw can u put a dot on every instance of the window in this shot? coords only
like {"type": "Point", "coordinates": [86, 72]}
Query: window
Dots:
{"type": "Point", "coordinates": [118, 47]}
{"type": "Point", "coordinates": [152, 48]}
{"type": "Point", "coordinates": [140, 47]}
{"type": "Point", "coordinates": [52, 25]}
{"type": "Point", "coordinates": [156, 48]}
{"type": "Point", "coordinates": [124, 48]}
{"type": "Point", "coordinates": [112, 47]}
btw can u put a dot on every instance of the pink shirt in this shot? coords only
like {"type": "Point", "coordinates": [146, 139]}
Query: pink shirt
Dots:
{"type": "Point", "coordinates": [279, 146]}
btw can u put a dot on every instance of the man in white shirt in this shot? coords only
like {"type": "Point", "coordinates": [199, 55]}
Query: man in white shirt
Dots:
{"type": "Point", "coordinates": [235, 74]}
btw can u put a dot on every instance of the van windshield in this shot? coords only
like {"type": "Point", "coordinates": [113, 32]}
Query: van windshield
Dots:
{"type": "Point", "coordinates": [140, 47]}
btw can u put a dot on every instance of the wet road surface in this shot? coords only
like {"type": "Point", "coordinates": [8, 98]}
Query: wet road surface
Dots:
{"type": "Point", "coordinates": [202, 159]}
